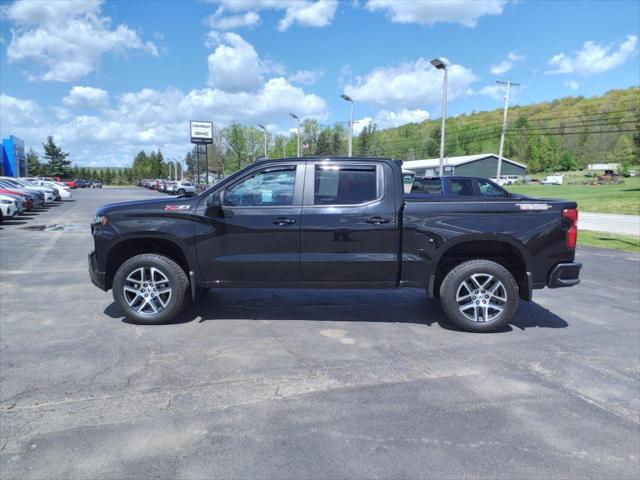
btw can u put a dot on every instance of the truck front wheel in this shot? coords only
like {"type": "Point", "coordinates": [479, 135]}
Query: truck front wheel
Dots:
{"type": "Point", "coordinates": [150, 288]}
{"type": "Point", "coordinates": [479, 296]}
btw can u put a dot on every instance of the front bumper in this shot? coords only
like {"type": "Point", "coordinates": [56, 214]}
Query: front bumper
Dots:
{"type": "Point", "coordinates": [98, 278]}
{"type": "Point", "coordinates": [564, 275]}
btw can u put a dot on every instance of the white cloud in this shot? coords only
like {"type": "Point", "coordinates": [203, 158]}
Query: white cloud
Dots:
{"type": "Point", "coordinates": [464, 12]}
{"type": "Point", "coordinates": [571, 84]}
{"type": "Point", "coordinates": [494, 91]}
{"type": "Point", "coordinates": [247, 20]}
{"type": "Point", "coordinates": [507, 64]}
{"type": "Point", "coordinates": [306, 77]}
{"type": "Point", "coordinates": [306, 13]}
{"type": "Point", "coordinates": [387, 119]}
{"type": "Point", "coordinates": [150, 119]}
{"type": "Point", "coordinates": [65, 40]}
{"type": "Point", "coordinates": [358, 125]}
{"type": "Point", "coordinates": [594, 58]}
{"type": "Point", "coordinates": [409, 85]}
{"type": "Point", "coordinates": [234, 66]}
{"type": "Point", "coordinates": [86, 97]}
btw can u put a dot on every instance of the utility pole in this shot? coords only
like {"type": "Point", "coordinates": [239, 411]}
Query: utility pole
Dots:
{"type": "Point", "coordinates": [507, 85]}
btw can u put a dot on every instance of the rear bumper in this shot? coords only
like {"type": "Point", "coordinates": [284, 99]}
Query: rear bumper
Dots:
{"type": "Point", "coordinates": [97, 278]}
{"type": "Point", "coordinates": [564, 275]}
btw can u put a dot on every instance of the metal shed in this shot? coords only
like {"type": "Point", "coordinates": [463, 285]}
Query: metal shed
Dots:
{"type": "Point", "coordinates": [481, 165]}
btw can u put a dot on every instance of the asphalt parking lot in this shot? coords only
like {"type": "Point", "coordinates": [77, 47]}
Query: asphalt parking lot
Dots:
{"type": "Point", "coordinates": [307, 384]}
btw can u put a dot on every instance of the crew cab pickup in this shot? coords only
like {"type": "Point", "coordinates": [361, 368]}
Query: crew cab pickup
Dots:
{"type": "Point", "coordinates": [333, 223]}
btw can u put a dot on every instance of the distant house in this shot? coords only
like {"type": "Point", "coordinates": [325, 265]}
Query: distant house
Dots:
{"type": "Point", "coordinates": [482, 165]}
{"type": "Point", "coordinates": [603, 166]}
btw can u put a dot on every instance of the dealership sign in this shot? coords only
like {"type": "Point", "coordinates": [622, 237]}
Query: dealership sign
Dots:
{"type": "Point", "coordinates": [201, 132]}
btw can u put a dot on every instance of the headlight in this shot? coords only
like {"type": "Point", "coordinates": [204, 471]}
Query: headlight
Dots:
{"type": "Point", "coordinates": [6, 202]}
{"type": "Point", "coordinates": [100, 219]}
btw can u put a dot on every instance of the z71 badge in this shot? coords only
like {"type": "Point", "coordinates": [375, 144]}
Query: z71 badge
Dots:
{"type": "Point", "coordinates": [177, 207]}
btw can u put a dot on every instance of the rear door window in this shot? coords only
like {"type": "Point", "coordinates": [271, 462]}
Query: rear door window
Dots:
{"type": "Point", "coordinates": [345, 184]}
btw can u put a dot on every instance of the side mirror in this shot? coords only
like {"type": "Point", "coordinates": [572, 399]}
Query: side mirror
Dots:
{"type": "Point", "coordinates": [214, 205]}
{"type": "Point", "coordinates": [214, 200]}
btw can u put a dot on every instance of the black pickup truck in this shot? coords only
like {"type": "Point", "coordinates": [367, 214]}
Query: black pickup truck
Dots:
{"type": "Point", "coordinates": [333, 223]}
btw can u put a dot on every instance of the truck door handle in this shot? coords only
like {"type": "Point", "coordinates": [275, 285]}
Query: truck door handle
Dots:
{"type": "Point", "coordinates": [284, 221]}
{"type": "Point", "coordinates": [378, 220]}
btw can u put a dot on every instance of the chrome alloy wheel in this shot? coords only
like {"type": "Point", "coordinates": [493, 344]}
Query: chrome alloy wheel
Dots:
{"type": "Point", "coordinates": [147, 290]}
{"type": "Point", "coordinates": [481, 297]}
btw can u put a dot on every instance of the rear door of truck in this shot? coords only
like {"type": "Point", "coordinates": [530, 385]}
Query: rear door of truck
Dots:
{"type": "Point", "coordinates": [349, 224]}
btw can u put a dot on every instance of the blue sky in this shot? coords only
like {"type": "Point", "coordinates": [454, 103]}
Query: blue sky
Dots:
{"type": "Point", "coordinates": [109, 78]}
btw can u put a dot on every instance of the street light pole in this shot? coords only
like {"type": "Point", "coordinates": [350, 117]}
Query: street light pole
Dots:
{"type": "Point", "coordinates": [297, 119]}
{"type": "Point", "coordinates": [350, 134]}
{"type": "Point", "coordinates": [265, 140]}
{"type": "Point", "coordinates": [440, 65]}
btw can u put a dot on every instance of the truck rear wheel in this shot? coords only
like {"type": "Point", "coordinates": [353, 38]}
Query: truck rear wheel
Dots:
{"type": "Point", "coordinates": [479, 296]}
{"type": "Point", "coordinates": [150, 288]}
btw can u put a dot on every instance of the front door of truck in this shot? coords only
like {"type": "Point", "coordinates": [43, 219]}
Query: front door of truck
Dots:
{"type": "Point", "coordinates": [255, 234]}
{"type": "Point", "coordinates": [349, 224]}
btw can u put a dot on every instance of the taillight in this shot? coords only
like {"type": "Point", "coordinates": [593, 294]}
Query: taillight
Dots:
{"type": "Point", "coordinates": [571, 214]}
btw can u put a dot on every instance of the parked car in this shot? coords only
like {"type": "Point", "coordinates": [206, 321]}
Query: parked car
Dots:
{"type": "Point", "coordinates": [333, 223]}
{"type": "Point", "coordinates": [70, 183]}
{"type": "Point", "coordinates": [32, 199]}
{"type": "Point", "coordinates": [62, 190]}
{"type": "Point", "coordinates": [8, 206]}
{"type": "Point", "coordinates": [26, 197]}
{"type": "Point", "coordinates": [184, 187]}
{"type": "Point", "coordinates": [12, 183]}
{"type": "Point", "coordinates": [82, 183]}
{"type": "Point", "coordinates": [96, 184]}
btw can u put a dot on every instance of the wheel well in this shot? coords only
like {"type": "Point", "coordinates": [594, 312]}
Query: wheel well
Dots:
{"type": "Point", "coordinates": [500, 252]}
{"type": "Point", "coordinates": [130, 248]}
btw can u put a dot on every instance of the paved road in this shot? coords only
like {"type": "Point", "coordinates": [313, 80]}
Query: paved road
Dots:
{"type": "Point", "coordinates": [311, 384]}
{"type": "Point", "coordinates": [607, 222]}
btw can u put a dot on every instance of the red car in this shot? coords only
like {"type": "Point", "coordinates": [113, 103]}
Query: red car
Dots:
{"type": "Point", "coordinates": [28, 203]}
{"type": "Point", "coordinates": [70, 183]}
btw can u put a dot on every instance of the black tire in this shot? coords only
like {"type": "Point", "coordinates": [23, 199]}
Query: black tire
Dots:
{"type": "Point", "coordinates": [181, 191]}
{"type": "Point", "coordinates": [453, 284]}
{"type": "Point", "coordinates": [178, 282]}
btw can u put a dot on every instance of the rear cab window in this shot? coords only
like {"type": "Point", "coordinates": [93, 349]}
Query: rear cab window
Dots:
{"type": "Point", "coordinates": [461, 186]}
{"type": "Point", "coordinates": [345, 184]}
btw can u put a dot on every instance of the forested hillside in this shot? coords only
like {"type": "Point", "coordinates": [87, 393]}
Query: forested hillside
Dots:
{"type": "Point", "coordinates": [560, 135]}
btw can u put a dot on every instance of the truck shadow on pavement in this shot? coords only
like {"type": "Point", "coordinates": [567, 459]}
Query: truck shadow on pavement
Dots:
{"type": "Point", "coordinates": [337, 306]}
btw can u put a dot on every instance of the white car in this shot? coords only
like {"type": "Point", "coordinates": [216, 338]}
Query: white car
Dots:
{"type": "Point", "coordinates": [553, 180]}
{"type": "Point", "coordinates": [49, 195]}
{"type": "Point", "coordinates": [8, 206]}
{"type": "Point", "coordinates": [184, 188]}
{"type": "Point", "coordinates": [63, 190]}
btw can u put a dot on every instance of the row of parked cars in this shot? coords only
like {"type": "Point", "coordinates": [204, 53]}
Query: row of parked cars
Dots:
{"type": "Point", "coordinates": [82, 183]}
{"type": "Point", "coordinates": [172, 187]}
{"type": "Point", "coordinates": [19, 195]}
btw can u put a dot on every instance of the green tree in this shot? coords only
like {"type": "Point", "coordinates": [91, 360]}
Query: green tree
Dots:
{"type": "Point", "coordinates": [337, 139]}
{"type": "Point", "coordinates": [57, 163]}
{"type": "Point", "coordinates": [623, 151]}
{"type": "Point", "coordinates": [34, 167]}
{"type": "Point", "coordinates": [324, 145]}
{"type": "Point", "coordinates": [567, 162]}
